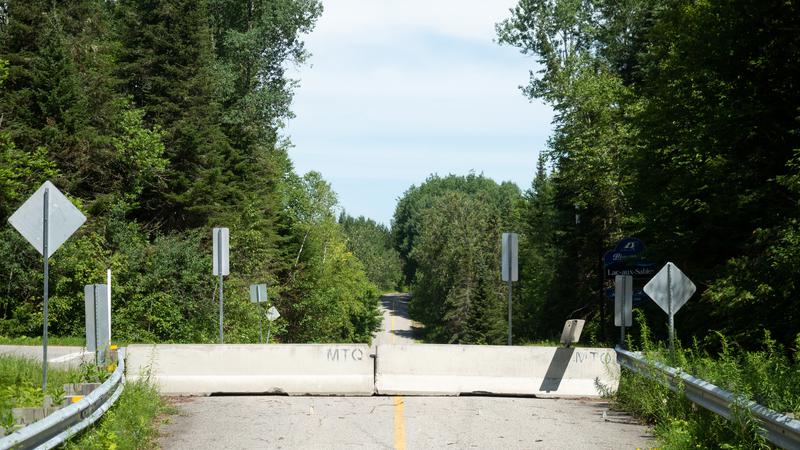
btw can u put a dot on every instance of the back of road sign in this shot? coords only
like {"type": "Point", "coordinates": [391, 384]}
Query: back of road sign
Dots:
{"type": "Point", "coordinates": [670, 288]}
{"type": "Point", "coordinates": [63, 217]}
{"type": "Point", "coordinates": [98, 317]}
{"type": "Point", "coordinates": [221, 251]}
{"type": "Point", "coordinates": [623, 301]}
{"type": "Point", "coordinates": [510, 261]}
{"type": "Point", "coordinates": [258, 293]}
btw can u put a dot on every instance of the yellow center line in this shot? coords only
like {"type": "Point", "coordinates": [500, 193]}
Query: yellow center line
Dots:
{"type": "Point", "coordinates": [399, 424]}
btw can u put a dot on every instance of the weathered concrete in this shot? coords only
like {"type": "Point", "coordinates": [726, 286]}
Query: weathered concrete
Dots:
{"type": "Point", "coordinates": [391, 422]}
{"type": "Point", "coordinates": [427, 369]}
{"type": "Point", "coordinates": [296, 369]}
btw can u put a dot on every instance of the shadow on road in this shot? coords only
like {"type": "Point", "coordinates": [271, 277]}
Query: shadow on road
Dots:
{"type": "Point", "coordinates": [411, 334]}
{"type": "Point", "coordinates": [397, 304]}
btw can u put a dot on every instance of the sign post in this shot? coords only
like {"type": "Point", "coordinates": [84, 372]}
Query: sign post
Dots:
{"type": "Point", "coordinates": [258, 293]}
{"type": "Point", "coordinates": [509, 272]}
{"type": "Point", "coordinates": [46, 220]}
{"type": "Point", "coordinates": [623, 304]}
{"type": "Point", "coordinates": [670, 289]}
{"type": "Point", "coordinates": [272, 314]}
{"type": "Point", "coordinates": [220, 267]}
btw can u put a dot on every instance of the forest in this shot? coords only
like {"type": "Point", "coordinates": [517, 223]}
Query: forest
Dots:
{"type": "Point", "coordinates": [161, 120]}
{"type": "Point", "coordinates": [677, 123]}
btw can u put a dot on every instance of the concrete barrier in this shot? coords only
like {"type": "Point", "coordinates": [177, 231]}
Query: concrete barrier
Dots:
{"type": "Point", "coordinates": [294, 369]}
{"type": "Point", "coordinates": [427, 369]}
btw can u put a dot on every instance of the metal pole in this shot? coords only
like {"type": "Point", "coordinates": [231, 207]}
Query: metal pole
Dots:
{"type": "Point", "coordinates": [96, 330]}
{"type": "Point", "coordinates": [219, 266]}
{"type": "Point", "coordinates": [269, 330]}
{"type": "Point", "coordinates": [46, 234]}
{"type": "Point", "coordinates": [622, 334]}
{"type": "Point", "coordinates": [671, 315]}
{"type": "Point", "coordinates": [260, 313]}
{"type": "Point", "coordinates": [510, 271]}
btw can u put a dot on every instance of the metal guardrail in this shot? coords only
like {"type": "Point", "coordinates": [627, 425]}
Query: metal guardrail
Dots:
{"type": "Point", "coordinates": [56, 428]}
{"type": "Point", "coordinates": [779, 429]}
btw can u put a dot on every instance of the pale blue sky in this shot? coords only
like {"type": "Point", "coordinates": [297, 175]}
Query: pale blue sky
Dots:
{"type": "Point", "coordinates": [397, 90]}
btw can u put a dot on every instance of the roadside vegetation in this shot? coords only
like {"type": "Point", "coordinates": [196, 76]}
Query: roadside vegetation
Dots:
{"type": "Point", "coordinates": [676, 123]}
{"type": "Point", "coordinates": [132, 424]}
{"type": "Point", "coordinates": [21, 384]}
{"type": "Point", "coordinates": [73, 341]}
{"type": "Point", "coordinates": [371, 243]}
{"type": "Point", "coordinates": [768, 375]}
{"type": "Point", "coordinates": [161, 120]}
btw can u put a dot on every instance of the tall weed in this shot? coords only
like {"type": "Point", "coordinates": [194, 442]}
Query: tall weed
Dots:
{"type": "Point", "coordinates": [769, 376]}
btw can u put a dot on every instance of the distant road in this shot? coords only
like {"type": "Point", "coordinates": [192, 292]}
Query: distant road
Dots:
{"type": "Point", "coordinates": [56, 354]}
{"type": "Point", "coordinates": [397, 327]}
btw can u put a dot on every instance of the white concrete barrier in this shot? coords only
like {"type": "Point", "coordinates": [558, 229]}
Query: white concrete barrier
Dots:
{"type": "Point", "coordinates": [428, 369]}
{"type": "Point", "coordinates": [294, 369]}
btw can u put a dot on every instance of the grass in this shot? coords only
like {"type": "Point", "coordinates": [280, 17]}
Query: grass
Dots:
{"type": "Point", "coordinates": [74, 341]}
{"type": "Point", "coordinates": [21, 384]}
{"type": "Point", "coordinates": [770, 376]}
{"type": "Point", "coordinates": [132, 423]}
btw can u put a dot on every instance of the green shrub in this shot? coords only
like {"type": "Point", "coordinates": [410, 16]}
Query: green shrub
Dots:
{"type": "Point", "coordinates": [132, 423]}
{"type": "Point", "coordinates": [768, 376]}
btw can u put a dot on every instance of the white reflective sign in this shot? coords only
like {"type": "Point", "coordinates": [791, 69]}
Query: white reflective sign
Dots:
{"type": "Point", "coordinates": [220, 251]}
{"type": "Point", "coordinates": [272, 313]}
{"type": "Point", "coordinates": [623, 300]}
{"type": "Point", "coordinates": [670, 288]}
{"type": "Point", "coordinates": [258, 293]}
{"type": "Point", "coordinates": [63, 219]}
{"type": "Point", "coordinates": [510, 261]}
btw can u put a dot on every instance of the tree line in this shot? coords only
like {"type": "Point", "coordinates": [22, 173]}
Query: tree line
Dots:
{"type": "Point", "coordinates": [677, 122]}
{"type": "Point", "coordinates": [162, 119]}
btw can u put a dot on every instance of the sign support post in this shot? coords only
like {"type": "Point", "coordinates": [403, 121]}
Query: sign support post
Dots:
{"type": "Point", "coordinates": [219, 264]}
{"type": "Point", "coordinates": [258, 294]}
{"type": "Point", "coordinates": [671, 311]}
{"type": "Point", "coordinates": [510, 295]}
{"type": "Point", "coordinates": [33, 221]}
{"type": "Point", "coordinates": [509, 271]}
{"type": "Point", "coordinates": [670, 289]}
{"type": "Point", "coordinates": [260, 312]}
{"type": "Point", "coordinates": [272, 314]}
{"type": "Point", "coordinates": [623, 304]}
{"type": "Point", "coordinates": [45, 236]}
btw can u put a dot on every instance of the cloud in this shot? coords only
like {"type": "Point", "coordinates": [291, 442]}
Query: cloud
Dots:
{"type": "Point", "coordinates": [379, 19]}
{"type": "Point", "coordinates": [398, 90]}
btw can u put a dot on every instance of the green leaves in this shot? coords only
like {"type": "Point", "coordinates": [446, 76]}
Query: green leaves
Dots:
{"type": "Point", "coordinates": [448, 230]}
{"type": "Point", "coordinates": [371, 243]}
{"type": "Point", "coordinates": [162, 118]}
{"type": "Point", "coordinates": [676, 123]}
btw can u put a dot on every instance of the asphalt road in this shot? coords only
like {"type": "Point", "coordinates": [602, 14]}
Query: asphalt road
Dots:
{"type": "Point", "coordinates": [398, 423]}
{"type": "Point", "coordinates": [258, 422]}
{"type": "Point", "coordinates": [56, 354]}
{"type": "Point", "coordinates": [397, 327]}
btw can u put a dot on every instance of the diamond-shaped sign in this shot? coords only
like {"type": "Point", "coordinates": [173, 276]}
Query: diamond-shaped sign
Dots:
{"type": "Point", "coordinates": [670, 288]}
{"type": "Point", "coordinates": [64, 219]}
{"type": "Point", "coordinates": [272, 313]}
